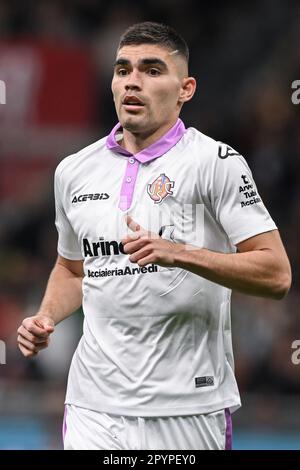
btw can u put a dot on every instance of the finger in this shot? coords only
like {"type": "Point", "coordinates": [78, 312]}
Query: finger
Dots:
{"type": "Point", "coordinates": [133, 246]}
{"type": "Point", "coordinates": [31, 346]}
{"type": "Point", "coordinates": [134, 226]}
{"type": "Point", "coordinates": [143, 235]}
{"type": "Point", "coordinates": [150, 259]}
{"type": "Point", "coordinates": [140, 254]}
{"type": "Point", "coordinates": [45, 323]}
{"type": "Point", "coordinates": [26, 352]}
{"type": "Point", "coordinates": [29, 336]}
{"type": "Point", "coordinates": [27, 344]}
{"type": "Point", "coordinates": [132, 237]}
{"type": "Point", "coordinates": [35, 329]}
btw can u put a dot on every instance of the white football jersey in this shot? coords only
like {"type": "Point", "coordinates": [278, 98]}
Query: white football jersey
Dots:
{"type": "Point", "coordinates": [156, 341]}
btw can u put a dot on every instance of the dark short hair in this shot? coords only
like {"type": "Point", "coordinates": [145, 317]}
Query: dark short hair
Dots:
{"type": "Point", "coordinates": [149, 32]}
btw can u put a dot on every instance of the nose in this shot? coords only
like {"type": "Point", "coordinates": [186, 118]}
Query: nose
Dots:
{"type": "Point", "coordinates": [134, 81]}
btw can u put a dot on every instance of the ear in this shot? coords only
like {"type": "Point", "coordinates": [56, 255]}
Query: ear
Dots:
{"type": "Point", "coordinates": [188, 88]}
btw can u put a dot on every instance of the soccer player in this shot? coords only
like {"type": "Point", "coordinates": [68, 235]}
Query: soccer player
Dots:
{"type": "Point", "coordinates": [156, 225]}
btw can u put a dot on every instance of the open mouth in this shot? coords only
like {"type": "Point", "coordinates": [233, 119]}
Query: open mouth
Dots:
{"type": "Point", "coordinates": [132, 102]}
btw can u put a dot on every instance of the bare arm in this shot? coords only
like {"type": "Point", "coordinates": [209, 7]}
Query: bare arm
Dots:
{"type": "Point", "coordinates": [260, 267]}
{"type": "Point", "coordinates": [64, 290]}
{"type": "Point", "coordinates": [63, 296]}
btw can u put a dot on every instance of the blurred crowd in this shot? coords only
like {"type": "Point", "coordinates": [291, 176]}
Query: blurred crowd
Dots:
{"type": "Point", "coordinates": [245, 58]}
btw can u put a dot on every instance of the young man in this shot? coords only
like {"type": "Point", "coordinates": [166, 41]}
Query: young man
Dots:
{"type": "Point", "coordinates": [154, 367]}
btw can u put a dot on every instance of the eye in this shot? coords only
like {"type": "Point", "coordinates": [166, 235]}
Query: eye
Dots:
{"type": "Point", "coordinates": [154, 72]}
{"type": "Point", "coordinates": [121, 72]}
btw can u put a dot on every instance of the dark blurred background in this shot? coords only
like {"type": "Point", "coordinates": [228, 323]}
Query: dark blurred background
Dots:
{"type": "Point", "coordinates": [56, 61]}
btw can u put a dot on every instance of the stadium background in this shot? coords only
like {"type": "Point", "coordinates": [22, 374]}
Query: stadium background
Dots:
{"type": "Point", "coordinates": [56, 60]}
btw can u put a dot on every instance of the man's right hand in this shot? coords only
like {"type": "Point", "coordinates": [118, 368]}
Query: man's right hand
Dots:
{"type": "Point", "coordinates": [34, 333]}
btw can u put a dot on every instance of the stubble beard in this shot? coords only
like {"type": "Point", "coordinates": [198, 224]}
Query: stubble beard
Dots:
{"type": "Point", "coordinates": [134, 124]}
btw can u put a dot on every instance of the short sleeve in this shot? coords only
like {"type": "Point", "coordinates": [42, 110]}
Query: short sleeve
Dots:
{"type": "Point", "coordinates": [237, 204]}
{"type": "Point", "coordinates": [67, 245]}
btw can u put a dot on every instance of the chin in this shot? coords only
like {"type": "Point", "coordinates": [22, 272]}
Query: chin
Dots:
{"type": "Point", "coordinates": [132, 124]}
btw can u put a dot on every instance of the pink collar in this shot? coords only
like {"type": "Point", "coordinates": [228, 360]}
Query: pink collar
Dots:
{"type": "Point", "coordinates": [155, 150]}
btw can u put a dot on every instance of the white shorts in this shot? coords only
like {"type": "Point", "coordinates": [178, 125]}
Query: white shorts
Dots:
{"type": "Point", "coordinates": [85, 429]}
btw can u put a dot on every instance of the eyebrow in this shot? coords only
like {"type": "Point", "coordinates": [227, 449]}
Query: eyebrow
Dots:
{"type": "Point", "coordinates": [146, 61]}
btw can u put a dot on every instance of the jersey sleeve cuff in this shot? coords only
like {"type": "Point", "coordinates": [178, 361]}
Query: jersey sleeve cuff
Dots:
{"type": "Point", "coordinates": [74, 256]}
{"type": "Point", "coordinates": [235, 240]}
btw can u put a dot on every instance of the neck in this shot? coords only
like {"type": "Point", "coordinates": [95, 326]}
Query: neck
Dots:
{"type": "Point", "coordinates": [136, 142]}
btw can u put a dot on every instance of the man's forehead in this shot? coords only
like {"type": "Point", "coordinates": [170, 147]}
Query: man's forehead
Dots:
{"type": "Point", "coordinates": [143, 51]}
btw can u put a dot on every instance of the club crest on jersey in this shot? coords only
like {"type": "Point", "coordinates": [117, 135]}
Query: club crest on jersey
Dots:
{"type": "Point", "coordinates": [160, 188]}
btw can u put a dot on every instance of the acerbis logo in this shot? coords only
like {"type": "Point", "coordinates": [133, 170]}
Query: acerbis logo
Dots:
{"type": "Point", "coordinates": [102, 248]}
{"type": "Point", "coordinates": [90, 197]}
